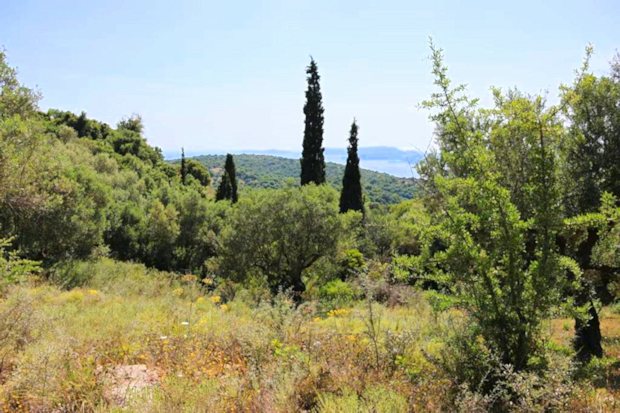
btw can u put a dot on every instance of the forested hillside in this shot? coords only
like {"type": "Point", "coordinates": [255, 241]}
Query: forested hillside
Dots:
{"type": "Point", "coordinates": [264, 171]}
{"type": "Point", "coordinates": [71, 186]}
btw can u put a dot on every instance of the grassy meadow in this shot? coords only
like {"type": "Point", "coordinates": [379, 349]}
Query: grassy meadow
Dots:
{"type": "Point", "coordinates": [223, 350]}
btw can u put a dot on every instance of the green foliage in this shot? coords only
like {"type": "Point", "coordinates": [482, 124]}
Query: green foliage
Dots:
{"type": "Point", "coordinates": [15, 99]}
{"type": "Point", "coordinates": [606, 252]}
{"type": "Point", "coordinates": [130, 142]}
{"type": "Point", "coordinates": [597, 370]}
{"type": "Point", "coordinates": [161, 232]}
{"type": "Point", "coordinates": [262, 171]}
{"type": "Point", "coordinates": [376, 400]}
{"type": "Point", "coordinates": [54, 200]}
{"type": "Point", "coordinates": [592, 240]}
{"type": "Point", "coordinates": [14, 269]}
{"type": "Point", "coordinates": [591, 173]}
{"type": "Point", "coordinates": [500, 255]}
{"type": "Point", "coordinates": [351, 194]}
{"type": "Point", "coordinates": [227, 190]}
{"type": "Point", "coordinates": [519, 220]}
{"type": "Point", "coordinates": [441, 302]}
{"type": "Point", "coordinates": [312, 157]}
{"type": "Point", "coordinates": [591, 169]}
{"type": "Point", "coordinates": [72, 185]}
{"type": "Point", "coordinates": [381, 228]}
{"type": "Point", "coordinates": [132, 123]}
{"type": "Point", "coordinates": [593, 143]}
{"type": "Point", "coordinates": [183, 167]}
{"type": "Point", "coordinates": [337, 293]}
{"type": "Point", "coordinates": [200, 224]}
{"type": "Point", "coordinates": [279, 234]}
{"type": "Point", "coordinates": [83, 127]}
{"type": "Point", "coordinates": [351, 263]}
{"type": "Point", "coordinates": [109, 276]}
{"type": "Point", "coordinates": [198, 171]}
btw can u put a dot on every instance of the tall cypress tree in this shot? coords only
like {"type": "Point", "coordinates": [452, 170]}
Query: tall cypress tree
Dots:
{"type": "Point", "coordinates": [81, 124]}
{"type": "Point", "coordinates": [183, 167]}
{"type": "Point", "coordinates": [229, 166]}
{"type": "Point", "coordinates": [228, 185]}
{"type": "Point", "coordinates": [312, 158]}
{"type": "Point", "coordinates": [223, 190]}
{"type": "Point", "coordinates": [351, 195]}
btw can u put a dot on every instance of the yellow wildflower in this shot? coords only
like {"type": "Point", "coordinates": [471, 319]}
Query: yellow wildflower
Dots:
{"type": "Point", "coordinates": [189, 278]}
{"type": "Point", "coordinates": [215, 299]}
{"type": "Point", "coordinates": [74, 296]}
{"type": "Point", "coordinates": [338, 312]}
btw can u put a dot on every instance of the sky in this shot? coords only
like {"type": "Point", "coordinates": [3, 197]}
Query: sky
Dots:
{"type": "Point", "coordinates": [230, 75]}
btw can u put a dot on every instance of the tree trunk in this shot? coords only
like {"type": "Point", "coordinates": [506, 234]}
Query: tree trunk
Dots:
{"type": "Point", "coordinates": [587, 341]}
{"type": "Point", "coordinates": [298, 289]}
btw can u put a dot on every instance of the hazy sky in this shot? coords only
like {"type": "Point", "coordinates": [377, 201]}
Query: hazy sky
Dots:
{"type": "Point", "coordinates": [230, 74]}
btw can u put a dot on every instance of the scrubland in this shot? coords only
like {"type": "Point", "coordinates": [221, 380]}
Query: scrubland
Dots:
{"type": "Point", "coordinates": [205, 349]}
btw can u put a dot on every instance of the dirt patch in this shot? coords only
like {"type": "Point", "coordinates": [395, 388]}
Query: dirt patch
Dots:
{"type": "Point", "coordinates": [121, 382]}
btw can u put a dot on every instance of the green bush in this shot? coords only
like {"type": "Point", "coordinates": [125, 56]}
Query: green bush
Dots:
{"type": "Point", "coordinates": [107, 275]}
{"type": "Point", "coordinates": [351, 263]}
{"type": "Point", "coordinates": [597, 370]}
{"type": "Point", "coordinates": [337, 293]}
{"type": "Point", "coordinates": [13, 269]}
{"type": "Point", "coordinates": [440, 302]}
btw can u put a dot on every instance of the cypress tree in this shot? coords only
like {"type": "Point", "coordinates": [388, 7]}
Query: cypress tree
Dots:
{"type": "Point", "coordinates": [229, 166]}
{"type": "Point", "coordinates": [223, 190]}
{"type": "Point", "coordinates": [183, 167]}
{"type": "Point", "coordinates": [312, 158]}
{"type": "Point", "coordinates": [228, 185]}
{"type": "Point", "coordinates": [351, 195]}
{"type": "Point", "coordinates": [81, 124]}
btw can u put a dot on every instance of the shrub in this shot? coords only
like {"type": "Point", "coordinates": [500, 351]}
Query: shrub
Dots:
{"type": "Point", "coordinates": [14, 269]}
{"type": "Point", "coordinates": [351, 263]}
{"type": "Point", "coordinates": [111, 276]}
{"type": "Point", "coordinates": [337, 293]}
{"type": "Point", "coordinates": [481, 382]}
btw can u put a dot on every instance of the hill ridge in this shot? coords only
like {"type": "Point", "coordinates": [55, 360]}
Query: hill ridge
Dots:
{"type": "Point", "coordinates": [269, 171]}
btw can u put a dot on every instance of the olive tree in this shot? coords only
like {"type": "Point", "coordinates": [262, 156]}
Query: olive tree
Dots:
{"type": "Point", "coordinates": [278, 234]}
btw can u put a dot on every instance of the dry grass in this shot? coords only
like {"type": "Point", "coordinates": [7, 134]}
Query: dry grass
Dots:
{"type": "Point", "coordinates": [208, 355]}
{"type": "Point", "coordinates": [602, 392]}
{"type": "Point", "coordinates": [59, 351]}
